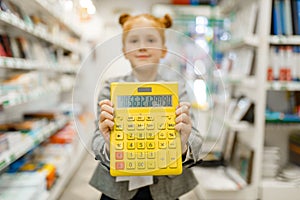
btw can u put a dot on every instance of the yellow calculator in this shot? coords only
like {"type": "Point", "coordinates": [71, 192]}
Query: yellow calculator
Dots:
{"type": "Point", "coordinates": [143, 140]}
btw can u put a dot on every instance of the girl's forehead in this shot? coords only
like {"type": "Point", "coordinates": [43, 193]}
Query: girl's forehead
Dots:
{"type": "Point", "coordinates": [141, 23]}
{"type": "Point", "coordinates": [145, 31]}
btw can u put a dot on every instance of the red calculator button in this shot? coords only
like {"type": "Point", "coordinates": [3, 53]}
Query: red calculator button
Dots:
{"type": "Point", "coordinates": [119, 155]}
{"type": "Point", "coordinates": [120, 165]}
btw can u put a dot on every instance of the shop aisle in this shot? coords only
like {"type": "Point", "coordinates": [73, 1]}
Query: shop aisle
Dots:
{"type": "Point", "coordinates": [79, 189]}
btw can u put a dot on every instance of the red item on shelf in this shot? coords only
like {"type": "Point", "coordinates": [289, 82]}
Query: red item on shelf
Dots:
{"type": "Point", "coordinates": [63, 136]}
{"type": "Point", "coordinates": [181, 2]}
{"type": "Point", "coordinates": [270, 76]}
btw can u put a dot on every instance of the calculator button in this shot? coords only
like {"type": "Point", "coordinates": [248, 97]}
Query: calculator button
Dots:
{"type": "Point", "coordinates": [141, 164]}
{"type": "Point", "coordinates": [173, 159]}
{"type": "Point", "coordinates": [141, 145]}
{"type": "Point", "coordinates": [130, 127]}
{"type": "Point", "coordinates": [119, 165]}
{"type": "Point", "coordinates": [161, 126]}
{"type": "Point", "coordinates": [119, 136]}
{"type": "Point", "coordinates": [119, 145]}
{"type": "Point", "coordinates": [130, 165]}
{"type": "Point", "coordinates": [171, 118]}
{"type": "Point", "coordinates": [149, 118]}
{"type": "Point", "coordinates": [119, 127]}
{"type": "Point", "coordinates": [171, 135]}
{"type": "Point", "coordinates": [162, 159]}
{"type": "Point", "coordinates": [151, 164]}
{"type": "Point", "coordinates": [119, 118]}
{"type": "Point", "coordinates": [151, 155]}
{"type": "Point", "coordinates": [140, 126]}
{"type": "Point", "coordinates": [130, 136]}
{"type": "Point", "coordinates": [150, 145]}
{"type": "Point", "coordinates": [162, 144]}
{"type": "Point", "coordinates": [130, 145]}
{"type": "Point", "coordinates": [130, 155]}
{"type": "Point", "coordinates": [119, 155]}
{"type": "Point", "coordinates": [162, 135]}
{"type": "Point", "coordinates": [150, 126]}
{"type": "Point", "coordinates": [140, 118]}
{"type": "Point", "coordinates": [171, 126]}
{"type": "Point", "coordinates": [141, 136]}
{"type": "Point", "coordinates": [172, 144]}
{"type": "Point", "coordinates": [141, 154]}
{"type": "Point", "coordinates": [130, 118]}
{"type": "Point", "coordinates": [150, 136]}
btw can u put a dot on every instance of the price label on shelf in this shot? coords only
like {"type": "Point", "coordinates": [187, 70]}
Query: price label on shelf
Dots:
{"type": "Point", "coordinates": [9, 62]}
{"type": "Point", "coordinates": [2, 63]}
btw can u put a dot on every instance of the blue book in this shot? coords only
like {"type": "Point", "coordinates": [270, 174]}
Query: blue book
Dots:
{"type": "Point", "coordinates": [282, 16]}
{"type": "Point", "coordinates": [277, 27]}
{"type": "Point", "coordinates": [298, 17]}
{"type": "Point", "coordinates": [288, 17]}
{"type": "Point", "coordinates": [194, 2]}
{"type": "Point", "coordinates": [274, 29]}
{"type": "Point", "coordinates": [295, 17]}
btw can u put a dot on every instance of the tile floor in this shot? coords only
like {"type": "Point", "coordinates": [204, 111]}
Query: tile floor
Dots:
{"type": "Point", "coordinates": [79, 189]}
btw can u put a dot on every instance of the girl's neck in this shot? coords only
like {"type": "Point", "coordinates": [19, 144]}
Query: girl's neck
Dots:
{"type": "Point", "coordinates": [145, 74]}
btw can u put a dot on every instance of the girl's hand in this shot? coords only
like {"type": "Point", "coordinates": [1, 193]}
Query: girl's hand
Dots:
{"type": "Point", "coordinates": [183, 123]}
{"type": "Point", "coordinates": [106, 118]}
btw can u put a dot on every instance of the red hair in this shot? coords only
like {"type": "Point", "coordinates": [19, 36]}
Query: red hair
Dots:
{"type": "Point", "coordinates": [127, 21]}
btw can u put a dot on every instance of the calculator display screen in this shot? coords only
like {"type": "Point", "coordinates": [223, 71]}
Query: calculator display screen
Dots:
{"type": "Point", "coordinates": [144, 101]}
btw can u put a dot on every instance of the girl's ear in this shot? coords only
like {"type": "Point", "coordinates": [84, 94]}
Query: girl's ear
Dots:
{"type": "Point", "coordinates": [123, 18]}
{"type": "Point", "coordinates": [124, 53]}
{"type": "Point", "coordinates": [164, 52]}
{"type": "Point", "coordinates": [166, 20]}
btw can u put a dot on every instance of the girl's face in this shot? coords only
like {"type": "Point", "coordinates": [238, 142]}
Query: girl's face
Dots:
{"type": "Point", "coordinates": [143, 45]}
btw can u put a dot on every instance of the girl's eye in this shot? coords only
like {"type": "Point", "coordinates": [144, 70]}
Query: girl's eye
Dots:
{"type": "Point", "coordinates": [133, 41]}
{"type": "Point", "coordinates": [151, 40]}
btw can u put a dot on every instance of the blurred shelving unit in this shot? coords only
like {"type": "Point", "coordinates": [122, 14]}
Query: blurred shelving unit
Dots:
{"type": "Point", "coordinates": [249, 33]}
{"type": "Point", "coordinates": [45, 50]}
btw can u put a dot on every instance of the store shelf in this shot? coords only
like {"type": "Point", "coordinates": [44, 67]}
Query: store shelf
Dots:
{"type": "Point", "coordinates": [241, 126]}
{"type": "Point", "coordinates": [219, 186]}
{"type": "Point", "coordinates": [283, 85]}
{"type": "Point", "coordinates": [247, 41]}
{"type": "Point", "coordinates": [62, 181]}
{"type": "Point", "coordinates": [7, 19]}
{"type": "Point", "coordinates": [51, 11]}
{"type": "Point", "coordinates": [278, 190]}
{"type": "Point", "coordinates": [17, 98]}
{"type": "Point", "coordinates": [284, 40]}
{"type": "Point", "coordinates": [244, 81]}
{"type": "Point", "coordinates": [24, 64]}
{"type": "Point", "coordinates": [8, 157]}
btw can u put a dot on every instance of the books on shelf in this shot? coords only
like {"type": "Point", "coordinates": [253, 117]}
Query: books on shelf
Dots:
{"type": "Point", "coordinates": [241, 109]}
{"type": "Point", "coordinates": [285, 17]}
{"type": "Point", "coordinates": [290, 174]}
{"type": "Point", "coordinates": [235, 174]}
{"type": "Point", "coordinates": [271, 157]}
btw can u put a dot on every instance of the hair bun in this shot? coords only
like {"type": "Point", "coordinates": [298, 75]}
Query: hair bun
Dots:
{"type": "Point", "coordinates": [167, 21]}
{"type": "Point", "coordinates": [123, 18]}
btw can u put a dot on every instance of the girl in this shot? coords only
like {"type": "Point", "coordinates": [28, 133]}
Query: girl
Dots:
{"type": "Point", "coordinates": [143, 41]}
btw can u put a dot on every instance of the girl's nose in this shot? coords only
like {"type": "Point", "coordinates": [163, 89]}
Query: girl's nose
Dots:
{"type": "Point", "coordinates": [142, 49]}
{"type": "Point", "coordinates": [142, 45]}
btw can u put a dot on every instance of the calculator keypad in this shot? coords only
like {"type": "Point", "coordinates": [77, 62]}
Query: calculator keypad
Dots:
{"type": "Point", "coordinates": [143, 145]}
